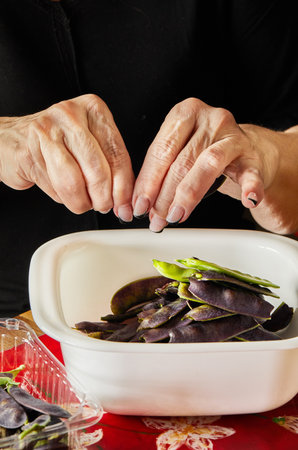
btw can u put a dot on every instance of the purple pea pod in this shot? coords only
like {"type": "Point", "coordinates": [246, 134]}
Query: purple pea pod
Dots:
{"type": "Point", "coordinates": [211, 275]}
{"type": "Point", "coordinates": [164, 314]}
{"type": "Point", "coordinates": [169, 291]}
{"type": "Point", "coordinates": [258, 334]}
{"type": "Point", "coordinates": [184, 292]}
{"type": "Point", "coordinates": [36, 404]}
{"type": "Point", "coordinates": [280, 318]}
{"type": "Point", "coordinates": [162, 333]}
{"type": "Point", "coordinates": [103, 335]}
{"type": "Point", "coordinates": [234, 300]}
{"type": "Point", "coordinates": [91, 327]}
{"type": "Point", "coordinates": [213, 331]}
{"type": "Point", "coordinates": [126, 333]}
{"type": "Point", "coordinates": [152, 335]}
{"type": "Point", "coordinates": [135, 310]}
{"type": "Point", "coordinates": [204, 313]}
{"type": "Point", "coordinates": [37, 425]}
{"type": "Point", "coordinates": [136, 292]}
{"type": "Point", "coordinates": [12, 414]}
{"type": "Point", "coordinates": [146, 313]}
{"type": "Point", "coordinates": [161, 301]}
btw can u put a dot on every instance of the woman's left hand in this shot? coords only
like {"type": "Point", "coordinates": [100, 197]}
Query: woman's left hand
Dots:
{"type": "Point", "coordinates": [195, 145]}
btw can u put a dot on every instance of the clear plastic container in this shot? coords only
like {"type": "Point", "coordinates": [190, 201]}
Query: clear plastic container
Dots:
{"type": "Point", "coordinates": [44, 377]}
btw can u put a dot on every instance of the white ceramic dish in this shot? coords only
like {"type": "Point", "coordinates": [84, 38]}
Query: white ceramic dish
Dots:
{"type": "Point", "coordinates": [72, 278]}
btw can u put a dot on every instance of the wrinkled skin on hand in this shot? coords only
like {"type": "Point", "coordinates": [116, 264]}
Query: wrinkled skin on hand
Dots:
{"type": "Point", "coordinates": [194, 146]}
{"type": "Point", "coordinates": [73, 151]}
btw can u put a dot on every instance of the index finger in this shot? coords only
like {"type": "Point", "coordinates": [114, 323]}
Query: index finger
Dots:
{"type": "Point", "coordinates": [103, 127]}
{"type": "Point", "coordinates": [171, 138]}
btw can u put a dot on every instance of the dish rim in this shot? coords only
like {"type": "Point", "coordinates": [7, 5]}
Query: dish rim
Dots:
{"type": "Point", "coordinates": [43, 261]}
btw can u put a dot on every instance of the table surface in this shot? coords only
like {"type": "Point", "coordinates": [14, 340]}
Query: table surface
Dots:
{"type": "Point", "coordinates": [271, 430]}
{"type": "Point", "coordinates": [28, 318]}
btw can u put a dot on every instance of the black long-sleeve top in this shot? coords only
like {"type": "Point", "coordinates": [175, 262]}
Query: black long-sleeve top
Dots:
{"type": "Point", "coordinates": [141, 57]}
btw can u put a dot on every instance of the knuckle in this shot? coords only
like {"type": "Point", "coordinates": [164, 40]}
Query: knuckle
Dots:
{"type": "Point", "coordinates": [68, 188]}
{"type": "Point", "coordinates": [116, 156]}
{"type": "Point", "coordinates": [187, 107]}
{"type": "Point", "coordinates": [164, 149]}
{"type": "Point", "coordinates": [97, 175]}
{"type": "Point", "coordinates": [39, 125]}
{"type": "Point", "coordinates": [94, 183]}
{"type": "Point", "coordinates": [73, 195]}
{"type": "Point", "coordinates": [192, 103]}
{"type": "Point", "coordinates": [62, 108]}
{"type": "Point", "coordinates": [99, 113]}
{"type": "Point", "coordinates": [162, 204]}
{"type": "Point", "coordinates": [214, 158]}
{"type": "Point", "coordinates": [63, 115]}
{"type": "Point", "coordinates": [180, 168]}
{"type": "Point", "coordinates": [42, 129]}
{"type": "Point", "coordinates": [253, 173]}
{"type": "Point", "coordinates": [95, 105]}
{"type": "Point", "coordinates": [92, 99]}
{"type": "Point", "coordinates": [224, 117]}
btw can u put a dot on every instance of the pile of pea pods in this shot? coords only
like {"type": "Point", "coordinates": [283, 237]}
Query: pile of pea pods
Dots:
{"type": "Point", "coordinates": [24, 416]}
{"type": "Point", "coordinates": [195, 301]}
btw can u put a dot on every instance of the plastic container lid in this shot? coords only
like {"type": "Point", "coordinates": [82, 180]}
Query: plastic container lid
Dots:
{"type": "Point", "coordinates": [46, 378]}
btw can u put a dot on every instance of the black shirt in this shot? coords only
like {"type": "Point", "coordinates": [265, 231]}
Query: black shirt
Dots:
{"type": "Point", "coordinates": [141, 57]}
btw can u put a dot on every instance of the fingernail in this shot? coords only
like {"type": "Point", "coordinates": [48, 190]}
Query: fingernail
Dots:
{"type": "Point", "coordinates": [175, 214]}
{"type": "Point", "coordinates": [105, 211]}
{"type": "Point", "coordinates": [125, 213]}
{"type": "Point", "coordinates": [253, 198]}
{"type": "Point", "coordinates": [157, 224]}
{"type": "Point", "coordinates": [141, 207]}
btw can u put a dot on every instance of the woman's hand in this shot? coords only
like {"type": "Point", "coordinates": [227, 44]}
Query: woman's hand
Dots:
{"type": "Point", "coordinates": [74, 152]}
{"type": "Point", "coordinates": [195, 145]}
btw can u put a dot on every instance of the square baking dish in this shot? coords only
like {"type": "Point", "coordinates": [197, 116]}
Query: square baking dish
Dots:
{"type": "Point", "coordinates": [72, 278]}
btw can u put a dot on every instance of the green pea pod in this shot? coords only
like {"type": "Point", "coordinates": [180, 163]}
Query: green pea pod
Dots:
{"type": "Point", "coordinates": [35, 426]}
{"type": "Point", "coordinates": [7, 381]}
{"type": "Point", "coordinates": [173, 271]}
{"type": "Point", "coordinates": [14, 372]}
{"type": "Point", "coordinates": [199, 264]}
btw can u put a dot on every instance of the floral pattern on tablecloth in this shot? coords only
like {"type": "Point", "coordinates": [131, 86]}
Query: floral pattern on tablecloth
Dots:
{"type": "Point", "coordinates": [288, 422]}
{"type": "Point", "coordinates": [86, 439]}
{"type": "Point", "coordinates": [272, 430]}
{"type": "Point", "coordinates": [194, 432]}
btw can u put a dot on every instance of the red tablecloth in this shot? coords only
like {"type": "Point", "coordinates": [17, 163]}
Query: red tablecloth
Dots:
{"type": "Point", "coordinates": [272, 430]}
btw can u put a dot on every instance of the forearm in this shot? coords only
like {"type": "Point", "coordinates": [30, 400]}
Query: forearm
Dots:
{"type": "Point", "coordinates": [278, 211]}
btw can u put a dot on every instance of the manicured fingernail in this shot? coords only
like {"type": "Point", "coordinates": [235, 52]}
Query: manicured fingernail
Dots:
{"type": "Point", "coordinates": [175, 214]}
{"type": "Point", "coordinates": [125, 213]}
{"type": "Point", "coordinates": [252, 198]}
{"type": "Point", "coordinates": [141, 207]}
{"type": "Point", "coordinates": [157, 224]}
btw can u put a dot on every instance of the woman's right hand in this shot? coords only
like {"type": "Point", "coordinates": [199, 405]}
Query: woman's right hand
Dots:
{"type": "Point", "coordinates": [74, 152]}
